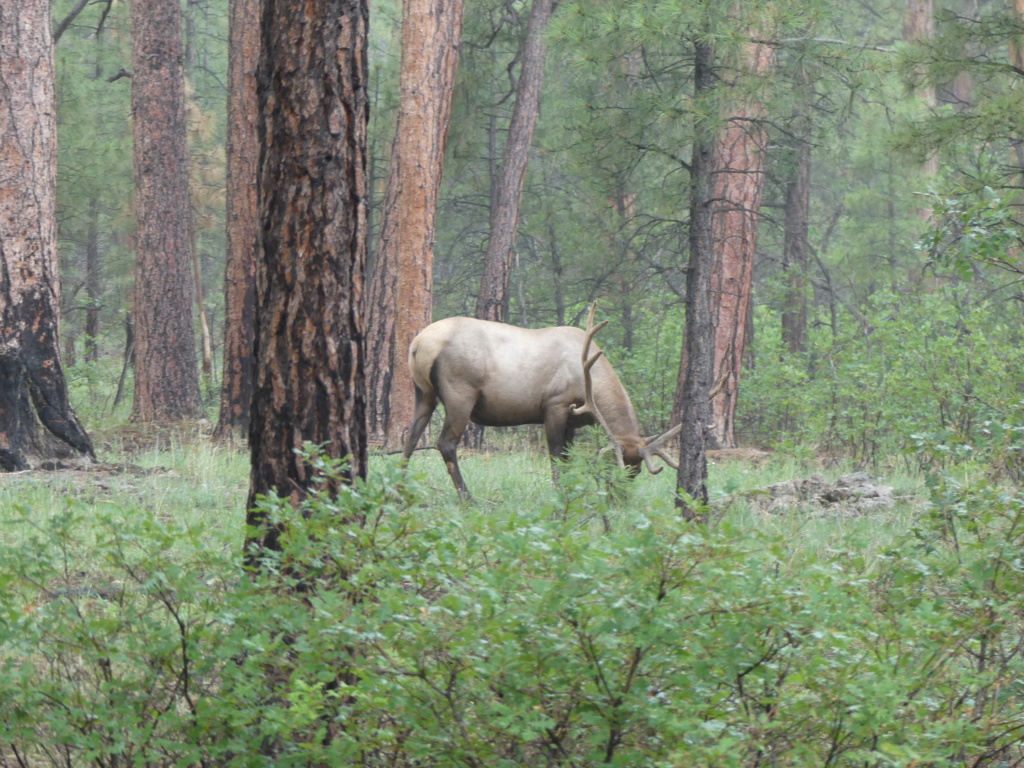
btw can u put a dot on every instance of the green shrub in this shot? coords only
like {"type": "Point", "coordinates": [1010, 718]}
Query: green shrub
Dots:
{"type": "Point", "coordinates": [924, 363]}
{"type": "Point", "coordinates": [457, 637]}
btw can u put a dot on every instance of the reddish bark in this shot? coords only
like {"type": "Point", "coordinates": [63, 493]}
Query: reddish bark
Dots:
{"type": "Point", "coordinates": [737, 180]}
{"type": "Point", "coordinates": [242, 223]}
{"type": "Point", "coordinates": [38, 428]}
{"type": "Point", "coordinates": [402, 288]}
{"type": "Point", "coordinates": [166, 370]}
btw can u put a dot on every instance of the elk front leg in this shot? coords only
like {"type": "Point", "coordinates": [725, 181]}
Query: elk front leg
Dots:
{"type": "Point", "coordinates": [559, 435]}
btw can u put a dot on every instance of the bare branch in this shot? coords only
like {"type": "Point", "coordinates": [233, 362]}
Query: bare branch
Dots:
{"type": "Point", "coordinates": [66, 21]}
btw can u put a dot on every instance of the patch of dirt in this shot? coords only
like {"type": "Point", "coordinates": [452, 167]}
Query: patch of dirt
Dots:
{"type": "Point", "coordinates": [856, 493]}
{"type": "Point", "coordinates": [89, 483]}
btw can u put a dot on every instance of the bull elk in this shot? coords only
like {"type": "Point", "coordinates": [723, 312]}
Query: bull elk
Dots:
{"type": "Point", "coordinates": [498, 375]}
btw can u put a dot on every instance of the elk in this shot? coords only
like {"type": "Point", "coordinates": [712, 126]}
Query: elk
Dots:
{"type": "Point", "coordinates": [499, 375]}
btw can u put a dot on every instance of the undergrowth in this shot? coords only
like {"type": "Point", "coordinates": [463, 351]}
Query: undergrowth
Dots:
{"type": "Point", "coordinates": [454, 635]}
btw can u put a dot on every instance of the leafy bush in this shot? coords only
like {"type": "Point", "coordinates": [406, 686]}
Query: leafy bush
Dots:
{"type": "Point", "coordinates": [454, 638]}
{"type": "Point", "coordinates": [926, 363]}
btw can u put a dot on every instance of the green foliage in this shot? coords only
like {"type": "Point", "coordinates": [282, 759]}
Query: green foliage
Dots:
{"type": "Point", "coordinates": [974, 228]}
{"type": "Point", "coordinates": [455, 638]}
{"type": "Point", "coordinates": [942, 361]}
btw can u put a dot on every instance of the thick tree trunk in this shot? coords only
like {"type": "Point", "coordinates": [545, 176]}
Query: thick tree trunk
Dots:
{"type": "Point", "coordinates": [309, 344]}
{"type": "Point", "coordinates": [242, 222]}
{"type": "Point", "coordinates": [696, 371]}
{"type": "Point", "coordinates": [737, 179]}
{"type": "Point", "coordinates": [37, 425]}
{"type": "Point", "coordinates": [492, 301]}
{"type": "Point", "coordinates": [402, 288]}
{"type": "Point", "coordinates": [166, 370]}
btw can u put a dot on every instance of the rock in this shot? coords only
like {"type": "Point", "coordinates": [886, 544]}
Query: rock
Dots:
{"type": "Point", "coordinates": [856, 493]}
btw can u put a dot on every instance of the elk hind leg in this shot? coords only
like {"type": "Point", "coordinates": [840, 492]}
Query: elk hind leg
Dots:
{"type": "Point", "coordinates": [455, 421]}
{"type": "Point", "coordinates": [426, 402]}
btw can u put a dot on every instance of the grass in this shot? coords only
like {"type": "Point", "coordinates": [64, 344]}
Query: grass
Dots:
{"type": "Point", "coordinates": [195, 483]}
{"type": "Point", "coordinates": [187, 478]}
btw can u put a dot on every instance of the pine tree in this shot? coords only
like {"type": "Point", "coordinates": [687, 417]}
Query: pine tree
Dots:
{"type": "Point", "coordinates": [309, 344]}
{"type": "Point", "coordinates": [38, 428]}
{"type": "Point", "coordinates": [492, 300]}
{"type": "Point", "coordinates": [166, 370]}
{"type": "Point", "coordinates": [242, 224]}
{"type": "Point", "coordinates": [401, 291]}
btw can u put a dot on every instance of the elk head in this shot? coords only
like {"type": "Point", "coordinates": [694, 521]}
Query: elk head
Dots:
{"type": "Point", "coordinates": [630, 449]}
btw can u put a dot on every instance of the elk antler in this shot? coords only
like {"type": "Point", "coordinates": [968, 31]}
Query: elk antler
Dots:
{"type": "Point", "coordinates": [589, 405]}
{"type": "Point", "coordinates": [653, 448]}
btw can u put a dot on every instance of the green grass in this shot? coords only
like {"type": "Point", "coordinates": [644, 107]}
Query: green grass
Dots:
{"type": "Point", "coordinates": [199, 483]}
{"type": "Point", "coordinates": [196, 484]}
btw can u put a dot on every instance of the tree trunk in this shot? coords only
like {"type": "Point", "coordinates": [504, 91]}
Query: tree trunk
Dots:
{"type": "Point", "coordinates": [795, 247]}
{"type": "Point", "coordinates": [1017, 59]}
{"type": "Point", "coordinates": [128, 358]}
{"type": "Point", "coordinates": [492, 301]}
{"type": "Point", "coordinates": [206, 360]}
{"type": "Point", "coordinates": [919, 27]}
{"type": "Point", "coordinates": [166, 370]}
{"type": "Point", "coordinates": [737, 179]}
{"type": "Point", "coordinates": [93, 280]}
{"type": "Point", "coordinates": [242, 227]}
{"type": "Point", "coordinates": [93, 258]}
{"type": "Point", "coordinates": [696, 370]}
{"type": "Point", "coordinates": [38, 428]}
{"type": "Point", "coordinates": [401, 291]}
{"type": "Point", "coordinates": [309, 342]}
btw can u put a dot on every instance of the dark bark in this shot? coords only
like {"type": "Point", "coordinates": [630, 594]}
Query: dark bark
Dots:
{"type": "Point", "coordinates": [242, 222]}
{"type": "Point", "coordinates": [309, 343]}
{"type": "Point", "coordinates": [63, 24]}
{"type": "Point", "coordinates": [402, 288]}
{"type": "Point", "coordinates": [695, 376]}
{"type": "Point", "coordinates": [492, 300]}
{"type": "Point", "coordinates": [166, 369]}
{"type": "Point", "coordinates": [38, 428]}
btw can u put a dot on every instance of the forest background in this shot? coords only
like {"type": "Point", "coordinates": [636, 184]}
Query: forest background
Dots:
{"type": "Point", "coordinates": [907, 291]}
{"type": "Point", "coordinates": [589, 623]}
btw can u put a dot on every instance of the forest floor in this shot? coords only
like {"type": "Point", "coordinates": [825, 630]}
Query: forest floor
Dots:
{"type": "Point", "coordinates": [176, 462]}
{"type": "Point", "coordinates": [181, 473]}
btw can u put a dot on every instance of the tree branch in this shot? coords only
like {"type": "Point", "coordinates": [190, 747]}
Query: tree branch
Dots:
{"type": "Point", "coordinates": [66, 21]}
